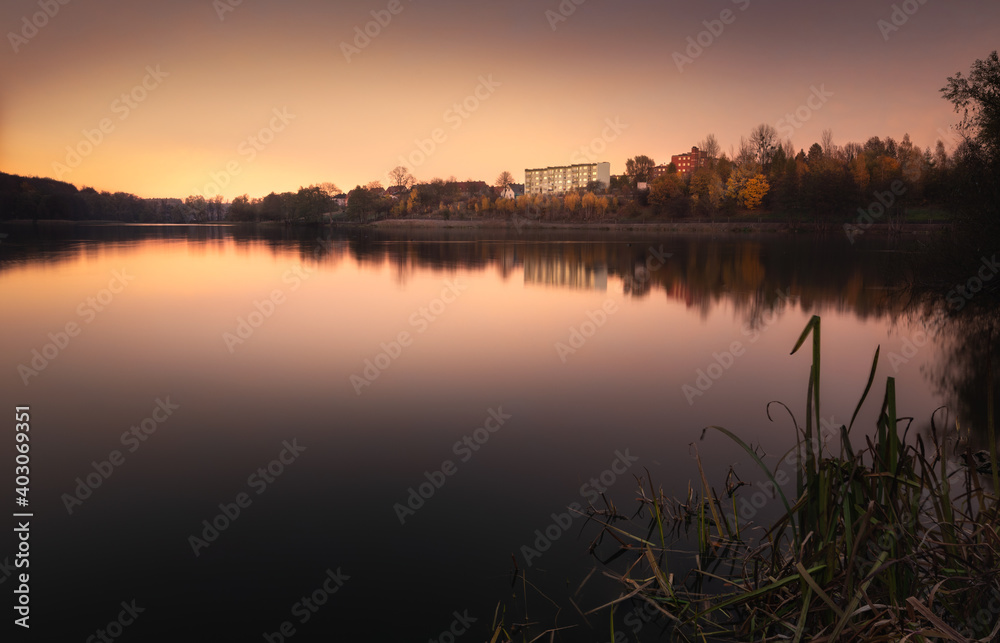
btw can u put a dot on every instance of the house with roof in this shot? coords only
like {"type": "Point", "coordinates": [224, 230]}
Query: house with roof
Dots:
{"type": "Point", "coordinates": [397, 192]}
{"type": "Point", "coordinates": [512, 191]}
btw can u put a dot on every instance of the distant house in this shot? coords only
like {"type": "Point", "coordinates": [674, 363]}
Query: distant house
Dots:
{"type": "Point", "coordinates": [340, 200]}
{"type": "Point", "coordinates": [397, 192]}
{"type": "Point", "coordinates": [512, 191]}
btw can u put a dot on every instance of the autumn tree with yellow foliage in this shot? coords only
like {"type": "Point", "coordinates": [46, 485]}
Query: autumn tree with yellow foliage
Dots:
{"type": "Point", "coordinates": [589, 202]}
{"type": "Point", "coordinates": [748, 186]}
{"type": "Point", "coordinates": [754, 191]}
{"type": "Point", "coordinates": [602, 206]}
{"type": "Point", "coordinates": [572, 202]}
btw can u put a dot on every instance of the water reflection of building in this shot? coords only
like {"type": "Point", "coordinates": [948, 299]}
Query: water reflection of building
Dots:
{"type": "Point", "coordinates": [552, 271]}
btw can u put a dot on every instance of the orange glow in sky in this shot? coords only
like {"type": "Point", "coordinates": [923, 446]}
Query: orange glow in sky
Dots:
{"type": "Point", "coordinates": [186, 98]}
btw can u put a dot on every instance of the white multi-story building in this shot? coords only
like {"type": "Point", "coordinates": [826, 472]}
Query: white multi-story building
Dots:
{"type": "Point", "coordinates": [557, 180]}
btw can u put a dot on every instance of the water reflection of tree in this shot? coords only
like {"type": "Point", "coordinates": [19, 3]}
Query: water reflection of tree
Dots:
{"type": "Point", "coordinates": [967, 374]}
{"type": "Point", "coordinates": [701, 273]}
{"type": "Point", "coordinates": [956, 278]}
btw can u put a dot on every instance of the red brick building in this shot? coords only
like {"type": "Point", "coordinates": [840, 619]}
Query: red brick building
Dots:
{"type": "Point", "coordinates": [687, 163]}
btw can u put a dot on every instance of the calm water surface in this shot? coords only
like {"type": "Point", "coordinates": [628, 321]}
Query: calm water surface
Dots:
{"type": "Point", "coordinates": [326, 380]}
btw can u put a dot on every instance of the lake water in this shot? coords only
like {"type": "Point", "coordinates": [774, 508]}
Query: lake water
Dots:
{"type": "Point", "coordinates": [398, 417]}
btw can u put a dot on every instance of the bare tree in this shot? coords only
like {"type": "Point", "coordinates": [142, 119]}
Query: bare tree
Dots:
{"type": "Point", "coordinates": [827, 142]}
{"type": "Point", "coordinates": [401, 177]}
{"type": "Point", "coordinates": [746, 155]}
{"type": "Point", "coordinates": [763, 141]}
{"type": "Point", "coordinates": [710, 146]}
{"type": "Point", "coordinates": [329, 188]}
{"type": "Point", "coordinates": [789, 149]}
{"type": "Point", "coordinates": [504, 180]}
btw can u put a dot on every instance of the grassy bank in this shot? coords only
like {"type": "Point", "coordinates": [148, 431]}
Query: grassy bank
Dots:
{"type": "Point", "coordinates": [882, 544]}
{"type": "Point", "coordinates": [893, 542]}
{"type": "Point", "coordinates": [734, 226]}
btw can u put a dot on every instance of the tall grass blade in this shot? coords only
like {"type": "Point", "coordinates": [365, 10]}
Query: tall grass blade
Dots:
{"type": "Point", "coordinates": [805, 333]}
{"type": "Point", "coordinates": [868, 387]}
{"type": "Point", "coordinates": [709, 497]}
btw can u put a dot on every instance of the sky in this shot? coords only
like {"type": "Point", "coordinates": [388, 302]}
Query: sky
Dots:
{"type": "Point", "coordinates": [231, 97]}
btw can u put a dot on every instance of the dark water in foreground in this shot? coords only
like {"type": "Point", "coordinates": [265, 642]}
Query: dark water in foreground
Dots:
{"type": "Point", "coordinates": [397, 420]}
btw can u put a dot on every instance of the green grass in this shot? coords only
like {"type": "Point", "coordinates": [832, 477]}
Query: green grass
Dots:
{"type": "Point", "coordinates": [921, 214]}
{"type": "Point", "coordinates": [882, 544]}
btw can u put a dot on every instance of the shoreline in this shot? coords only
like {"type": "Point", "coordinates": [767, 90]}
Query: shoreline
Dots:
{"type": "Point", "coordinates": [521, 225]}
{"type": "Point", "coordinates": [738, 227]}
